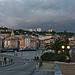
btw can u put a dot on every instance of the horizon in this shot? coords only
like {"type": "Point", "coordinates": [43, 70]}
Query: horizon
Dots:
{"type": "Point", "coordinates": [36, 29]}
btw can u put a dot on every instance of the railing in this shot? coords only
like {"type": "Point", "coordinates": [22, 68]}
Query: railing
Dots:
{"type": "Point", "coordinates": [57, 71]}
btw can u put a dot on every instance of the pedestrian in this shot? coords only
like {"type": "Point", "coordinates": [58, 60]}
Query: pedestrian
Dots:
{"type": "Point", "coordinates": [40, 63]}
{"type": "Point", "coordinates": [5, 60]}
{"type": "Point", "coordinates": [37, 58]}
{"type": "Point", "coordinates": [11, 60]}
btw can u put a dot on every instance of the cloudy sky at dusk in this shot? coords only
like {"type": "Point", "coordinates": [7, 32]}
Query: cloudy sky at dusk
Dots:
{"type": "Point", "coordinates": [58, 15]}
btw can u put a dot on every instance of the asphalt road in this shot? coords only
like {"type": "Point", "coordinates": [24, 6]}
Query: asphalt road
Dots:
{"type": "Point", "coordinates": [19, 67]}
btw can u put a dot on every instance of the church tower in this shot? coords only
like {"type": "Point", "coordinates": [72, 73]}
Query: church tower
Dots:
{"type": "Point", "coordinates": [12, 33]}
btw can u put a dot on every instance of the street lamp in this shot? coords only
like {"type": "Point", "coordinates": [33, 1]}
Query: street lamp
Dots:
{"type": "Point", "coordinates": [63, 47]}
{"type": "Point", "coordinates": [66, 50]}
{"type": "Point", "coordinates": [68, 47]}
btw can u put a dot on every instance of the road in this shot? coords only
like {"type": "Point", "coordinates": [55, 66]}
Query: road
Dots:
{"type": "Point", "coordinates": [19, 67]}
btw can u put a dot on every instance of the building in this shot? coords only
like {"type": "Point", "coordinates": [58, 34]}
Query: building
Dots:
{"type": "Point", "coordinates": [41, 43]}
{"type": "Point", "coordinates": [72, 41]}
{"type": "Point", "coordinates": [29, 30]}
{"type": "Point", "coordinates": [47, 36]}
{"type": "Point", "coordinates": [34, 43]}
{"type": "Point", "coordinates": [25, 42]}
{"type": "Point", "coordinates": [56, 36]}
{"type": "Point", "coordinates": [39, 29]}
{"type": "Point", "coordinates": [34, 30]}
{"type": "Point", "coordinates": [1, 41]}
{"type": "Point", "coordinates": [50, 30]}
{"type": "Point", "coordinates": [11, 41]}
{"type": "Point", "coordinates": [4, 35]}
{"type": "Point", "coordinates": [28, 42]}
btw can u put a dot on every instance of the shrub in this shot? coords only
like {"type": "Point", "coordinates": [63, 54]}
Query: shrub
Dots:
{"type": "Point", "coordinates": [53, 57]}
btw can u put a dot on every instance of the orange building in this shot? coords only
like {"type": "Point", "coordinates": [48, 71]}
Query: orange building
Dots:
{"type": "Point", "coordinates": [28, 42]}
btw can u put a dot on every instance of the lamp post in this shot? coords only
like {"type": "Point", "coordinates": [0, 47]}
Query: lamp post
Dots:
{"type": "Point", "coordinates": [66, 50]}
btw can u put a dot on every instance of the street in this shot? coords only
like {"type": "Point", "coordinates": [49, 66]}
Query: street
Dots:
{"type": "Point", "coordinates": [19, 66]}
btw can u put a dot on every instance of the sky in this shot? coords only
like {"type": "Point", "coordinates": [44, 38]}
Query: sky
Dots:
{"type": "Point", "coordinates": [58, 15]}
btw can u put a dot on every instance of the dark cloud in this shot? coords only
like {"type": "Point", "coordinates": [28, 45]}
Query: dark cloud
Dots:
{"type": "Point", "coordinates": [56, 14]}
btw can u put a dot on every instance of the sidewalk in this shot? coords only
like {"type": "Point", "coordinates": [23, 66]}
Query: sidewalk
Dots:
{"type": "Point", "coordinates": [46, 69]}
{"type": "Point", "coordinates": [5, 62]}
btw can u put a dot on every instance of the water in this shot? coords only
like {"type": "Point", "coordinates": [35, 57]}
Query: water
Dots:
{"type": "Point", "coordinates": [27, 53]}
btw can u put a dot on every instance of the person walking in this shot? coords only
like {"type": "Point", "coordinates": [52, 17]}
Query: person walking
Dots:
{"type": "Point", "coordinates": [5, 60]}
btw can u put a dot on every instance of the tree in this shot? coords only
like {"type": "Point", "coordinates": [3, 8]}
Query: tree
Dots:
{"type": "Point", "coordinates": [61, 42]}
{"type": "Point", "coordinates": [65, 38]}
{"type": "Point", "coordinates": [57, 45]}
{"type": "Point", "coordinates": [65, 42]}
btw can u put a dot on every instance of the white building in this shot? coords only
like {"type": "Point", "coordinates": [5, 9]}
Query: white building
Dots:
{"type": "Point", "coordinates": [39, 29]}
{"type": "Point", "coordinates": [50, 30]}
{"type": "Point", "coordinates": [29, 30]}
{"type": "Point", "coordinates": [34, 30]}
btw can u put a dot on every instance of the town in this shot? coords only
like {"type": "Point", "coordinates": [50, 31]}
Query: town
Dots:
{"type": "Point", "coordinates": [37, 37]}
{"type": "Point", "coordinates": [30, 38]}
{"type": "Point", "coordinates": [37, 48]}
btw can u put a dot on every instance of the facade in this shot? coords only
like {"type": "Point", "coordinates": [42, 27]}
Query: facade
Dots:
{"type": "Point", "coordinates": [11, 41]}
{"type": "Point", "coordinates": [28, 42]}
{"type": "Point", "coordinates": [34, 30]}
{"type": "Point", "coordinates": [34, 43]}
{"type": "Point", "coordinates": [25, 42]}
{"type": "Point", "coordinates": [4, 35]}
{"type": "Point", "coordinates": [48, 36]}
{"type": "Point", "coordinates": [56, 36]}
{"type": "Point", "coordinates": [50, 30]}
{"type": "Point", "coordinates": [41, 42]}
{"type": "Point", "coordinates": [39, 29]}
{"type": "Point", "coordinates": [46, 40]}
{"type": "Point", "coordinates": [22, 43]}
{"type": "Point", "coordinates": [29, 30]}
{"type": "Point", "coordinates": [1, 42]}
{"type": "Point", "coordinates": [72, 41]}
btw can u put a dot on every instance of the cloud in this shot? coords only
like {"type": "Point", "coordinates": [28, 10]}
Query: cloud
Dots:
{"type": "Point", "coordinates": [38, 13]}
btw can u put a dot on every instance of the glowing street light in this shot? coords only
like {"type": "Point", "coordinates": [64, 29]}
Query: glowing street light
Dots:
{"type": "Point", "coordinates": [66, 50]}
{"type": "Point", "coordinates": [68, 47]}
{"type": "Point", "coordinates": [63, 47]}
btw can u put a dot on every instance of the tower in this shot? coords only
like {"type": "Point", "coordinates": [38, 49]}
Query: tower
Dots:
{"type": "Point", "coordinates": [12, 33]}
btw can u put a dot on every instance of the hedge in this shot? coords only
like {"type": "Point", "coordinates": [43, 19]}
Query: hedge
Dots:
{"type": "Point", "coordinates": [53, 57]}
